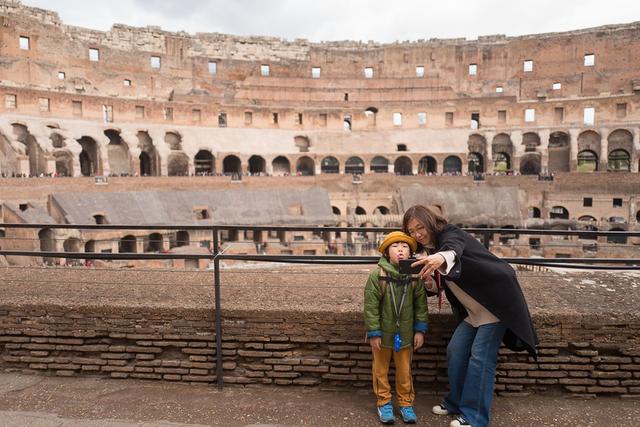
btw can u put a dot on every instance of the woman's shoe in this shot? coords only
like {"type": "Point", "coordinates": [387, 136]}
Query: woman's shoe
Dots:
{"type": "Point", "coordinates": [440, 409]}
{"type": "Point", "coordinates": [460, 422]}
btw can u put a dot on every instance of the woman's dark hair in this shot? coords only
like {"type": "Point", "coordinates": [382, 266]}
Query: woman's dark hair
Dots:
{"type": "Point", "coordinates": [433, 222]}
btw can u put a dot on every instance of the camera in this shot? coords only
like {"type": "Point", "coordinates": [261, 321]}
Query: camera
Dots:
{"type": "Point", "coordinates": [405, 266]}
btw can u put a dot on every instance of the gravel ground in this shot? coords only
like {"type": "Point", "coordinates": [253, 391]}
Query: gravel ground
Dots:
{"type": "Point", "coordinates": [282, 287]}
{"type": "Point", "coordinates": [80, 402]}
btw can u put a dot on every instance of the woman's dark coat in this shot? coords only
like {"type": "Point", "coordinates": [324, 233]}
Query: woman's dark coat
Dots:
{"type": "Point", "coordinates": [492, 283]}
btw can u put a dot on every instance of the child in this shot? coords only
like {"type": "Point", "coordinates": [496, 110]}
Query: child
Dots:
{"type": "Point", "coordinates": [395, 315]}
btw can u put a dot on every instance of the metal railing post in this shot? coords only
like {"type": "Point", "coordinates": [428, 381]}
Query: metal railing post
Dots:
{"type": "Point", "coordinates": [218, 317]}
{"type": "Point", "coordinates": [487, 239]}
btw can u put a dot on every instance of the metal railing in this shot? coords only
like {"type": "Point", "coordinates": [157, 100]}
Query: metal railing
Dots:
{"type": "Point", "coordinates": [217, 255]}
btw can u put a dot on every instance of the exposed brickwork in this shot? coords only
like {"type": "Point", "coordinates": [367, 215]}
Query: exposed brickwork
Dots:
{"type": "Point", "coordinates": [584, 356]}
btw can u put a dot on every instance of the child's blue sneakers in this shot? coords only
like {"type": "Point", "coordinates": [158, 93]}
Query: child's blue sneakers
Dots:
{"type": "Point", "coordinates": [408, 415]}
{"type": "Point", "coordinates": [385, 414]}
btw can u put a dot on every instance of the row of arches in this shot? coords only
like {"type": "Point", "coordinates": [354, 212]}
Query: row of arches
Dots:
{"type": "Point", "coordinates": [619, 156]}
{"type": "Point", "coordinates": [153, 242]}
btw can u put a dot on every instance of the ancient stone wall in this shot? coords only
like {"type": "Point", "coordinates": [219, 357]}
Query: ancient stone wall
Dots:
{"type": "Point", "coordinates": [585, 355]}
{"type": "Point", "coordinates": [259, 96]}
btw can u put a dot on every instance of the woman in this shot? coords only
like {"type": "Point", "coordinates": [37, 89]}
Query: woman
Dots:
{"type": "Point", "coordinates": [486, 300]}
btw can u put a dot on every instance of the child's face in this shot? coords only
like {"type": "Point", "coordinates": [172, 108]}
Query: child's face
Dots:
{"type": "Point", "coordinates": [398, 251]}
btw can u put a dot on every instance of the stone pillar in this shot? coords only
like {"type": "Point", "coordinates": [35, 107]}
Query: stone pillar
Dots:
{"type": "Point", "coordinates": [517, 151]}
{"type": "Point", "coordinates": [603, 158]}
{"type": "Point", "coordinates": [544, 150]}
{"type": "Point", "coordinates": [573, 143]}
{"type": "Point", "coordinates": [635, 158]}
{"type": "Point", "coordinates": [139, 244]}
{"type": "Point", "coordinates": [50, 167]}
{"type": "Point", "coordinates": [488, 161]}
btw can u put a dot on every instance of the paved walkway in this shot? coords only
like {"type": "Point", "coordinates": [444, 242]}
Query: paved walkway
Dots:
{"type": "Point", "coordinates": [36, 401]}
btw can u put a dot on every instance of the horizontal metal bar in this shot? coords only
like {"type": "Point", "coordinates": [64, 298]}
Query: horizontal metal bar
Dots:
{"type": "Point", "coordinates": [317, 259]}
{"type": "Point", "coordinates": [516, 231]}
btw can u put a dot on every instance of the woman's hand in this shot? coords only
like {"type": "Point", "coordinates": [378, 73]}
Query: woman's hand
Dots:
{"type": "Point", "coordinates": [430, 264]}
{"type": "Point", "coordinates": [418, 340]}
{"type": "Point", "coordinates": [375, 343]}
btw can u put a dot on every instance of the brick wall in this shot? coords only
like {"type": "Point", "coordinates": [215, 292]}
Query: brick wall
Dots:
{"type": "Point", "coordinates": [578, 355]}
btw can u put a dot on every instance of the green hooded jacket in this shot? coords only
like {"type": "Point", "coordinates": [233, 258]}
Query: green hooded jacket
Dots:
{"type": "Point", "coordinates": [379, 314]}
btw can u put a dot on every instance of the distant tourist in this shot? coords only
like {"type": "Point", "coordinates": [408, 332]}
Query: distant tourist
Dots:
{"type": "Point", "coordinates": [395, 316]}
{"type": "Point", "coordinates": [488, 304]}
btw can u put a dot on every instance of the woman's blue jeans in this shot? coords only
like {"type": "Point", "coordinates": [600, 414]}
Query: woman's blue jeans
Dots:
{"type": "Point", "coordinates": [472, 356]}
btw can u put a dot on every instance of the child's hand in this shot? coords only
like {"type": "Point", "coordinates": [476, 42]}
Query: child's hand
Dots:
{"type": "Point", "coordinates": [375, 343]}
{"type": "Point", "coordinates": [418, 340]}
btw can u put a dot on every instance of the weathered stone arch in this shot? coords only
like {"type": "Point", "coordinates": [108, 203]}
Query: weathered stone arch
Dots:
{"type": "Point", "coordinates": [587, 161]}
{"type": "Point", "coordinates": [427, 165]}
{"type": "Point", "coordinates": [177, 164]}
{"type": "Point", "coordinates": [64, 162]}
{"type": "Point", "coordinates": [89, 157]}
{"type": "Point", "coordinates": [8, 160]}
{"type": "Point", "coordinates": [354, 165]}
{"type": "Point", "coordinates": [620, 150]}
{"type": "Point", "coordinates": [590, 140]}
{"type": "Point", "coordinates": [559, 152]}
{"type": "Point", "coordinates": [477, 144]}
{"type": "Point", "coordinates": [174, 140]}
{"type": "Point", "coordinates": [128, 244]}
{"type": "Point", "coordinates": [305, 166]}
{"type": "Point", "coordinates": [531, 141]}
{"type": "Point", "coordinates": [118, 154]}
{"type": "Point", "coordinates": [530, 164]}
{"type": "Point", "coordinates": [257, 165]}
{"type": "Point", "coordinates": [452, 164]}
{"type": "Point", "coordinates": [303, 143]}
{"type": "Point", "coordinates": [204, 163]}
{"type": "Point", "coordinates": [281, 166]}
{"type": "Point", "coordinates": [37, 160]}
{"type": "Point", "coordinates": [149, 157]}
{"type": "Point", "coordinates": [329, 164]}
{"type": "Point", "coordinates": [403, 166]}
{"type": "Point", "coordinates": [231, 164]}
{"type": "Point", "coordinates": [379, 164]}
{"type": "Point", "coordinates": [502, 144]}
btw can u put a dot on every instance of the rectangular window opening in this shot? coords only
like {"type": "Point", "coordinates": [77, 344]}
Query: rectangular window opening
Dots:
{"type": "Point", "coordinates": [527, 65]}
{"type": "Point", "coordinates": [168, 114]}
{"type": "Point", "coordinates": [589, 116]}
{"type": "Point", "coordinates": [499, 89]}
{"type": "Point", "coordinates": [557, 86]}
{"type": "Point", "coordinates": [44, 105]}
{"type": "Point", "coordinates": [621, 110]}
{"type": "Point", "coordinates": [196, 115]}
{"type": "Point", "coordinates": [587, 202]}
{"type": "Point", "coordinates": [274, 118]}
{"type": "Point", "coordinates": [422, 119]}
{"type": "Point", "coordinates": [397, 119]}
{"type": "Point", "coordinates": [475, 120]}
{"type": "Point", "coordinates": [502, 116]}
{"type": "Point", "coordinates": [448, 118]}
{"type": "Point", "coordinates": [558, 114]}
{"type": "Point", "coordinates": [368, 73]}
{"type": "Point", "coordinates": [76, 108]}
{"type": "Point", "coordinates": [617, 202]}
{"type": "Point", "coordinates": [222, 120]}
{"type": "Point", "coordinates": [419, 71]}
{"type": "Point", "coordinates": [589, 60]}
{"type": "Point", "coordinates": [264, 70]}
{"type": "Point", "coordinates": [94, 55]}
{"type": "Point", "coordinates": [248, 117]}
{"type": "Point", "coordinates": [155, 62]}
{"type": "Point", "coordinates": [315, 72]}
{"type": "Point", "coordinates": [24, 43]}
{"type": "Point", "coordinates": [107, 113]}
{"type": "Point", "coordinates": [473, 69]}
{"type": "Point", "coordinates": [212, 66]}
{"type": "Point", "coordinates": [529, 115]}
{"type": "Point", "coordinates": [139, 112]}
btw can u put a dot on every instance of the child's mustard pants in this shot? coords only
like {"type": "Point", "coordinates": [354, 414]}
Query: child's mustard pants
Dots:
{"type": "Point", "coordinates": [380, 373]}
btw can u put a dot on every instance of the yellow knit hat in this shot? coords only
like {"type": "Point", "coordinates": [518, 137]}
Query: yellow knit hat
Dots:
{"type": "Point", "coordinates": [397, 236]}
